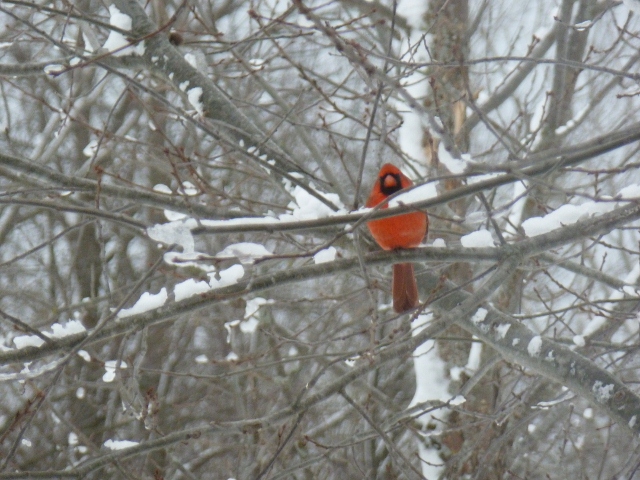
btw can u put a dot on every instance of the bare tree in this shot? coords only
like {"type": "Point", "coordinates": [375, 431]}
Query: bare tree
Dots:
{"type": "Point", "coordinates": [187, 285]}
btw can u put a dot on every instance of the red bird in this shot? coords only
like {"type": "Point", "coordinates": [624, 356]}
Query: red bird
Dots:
{"type": "Point", "coordinates": [402, 231]}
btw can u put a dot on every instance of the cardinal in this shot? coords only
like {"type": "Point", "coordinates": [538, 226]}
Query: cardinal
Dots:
{"type": "Point", "coordinates": [402, 231]}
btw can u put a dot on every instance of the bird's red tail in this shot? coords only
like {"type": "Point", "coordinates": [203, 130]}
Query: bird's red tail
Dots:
{"type": "Point", "coordinates": [404, 288]}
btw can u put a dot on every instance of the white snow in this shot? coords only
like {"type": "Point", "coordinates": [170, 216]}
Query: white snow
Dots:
{"type": "Point", "coordinates": [191, 287]}
{"type": "Point", "coordinates": [116, 40]}
{"type": "Point", "coordinates": [455, 165]}
{"type": "Point", "coordinates": [161, 188]}
{"type": "Point", "coordinates": [630, 192]}
{"type": "Point", "coordinates": [250, 325]}
{"type": "Point", "coordinates": [57, 331]}
{"type": "Point", "coordinates": [239, 221]}
{"type": "Point", "coordinates": [351, 361]}
{"type": "Point", "coordinates": [545, 405]}
{"type": "Point", "coordinates": [416, 194]}
{"type": "Point", "coordinates": [227, 277]}
{"type": "Point", "coordinates": [306, 207]}
{"type": "Point", "coordinates": [439, 243]}
{"type": "Point", "coordinates": [90, 149]}
{"type": "Point", "coordinates": [431, 384]}
{"type": "Point", "coordinates": [633, 5]}
{"type": "Point", "coordinates": [578, 117]}
{"type": "Point", "coordinates": [69, 328]}
{"type": "Point", "coordinates": [583, 25]}
{"type": "Point", "coordinates": [110, 370]}
{"type": "Point", "coordinates": [195, 99]}
{"type": "Point", "coordinates": [254, 304]}
{"type": "Point", "coordinates": [567, 215]}
{"type": "Point", "coordinates": [455, 373]}
{"type": "Point", "coordinates": [588, 413]}
{"type": "Point", "coordinates": [119, 444]}
{"type": "Point", "coordinates": [119, 19]}
{"type": "Point", "coordinates": [257, 63]}
{"type": "Point", "coordinates": [457, 400]}
{"type": "Point", "coordinates": [201, 359]}
{"type": "Point", "coordinates": [191, 59]}
{"type": "Point", "coordinates": [54, 69]}
{"type": "Point", "coordinates": [479, 316]}
{"type": "Point", "coordinates": [475, 354]}
{"type": "Point", "coordinates": [251, 322]}
{"type": "Point", "coordinates": [431, 378]}
{"type": "Point", "coordinates": [184, 85]}
{"type": "Point", "coordinates": [601, 391]}
{"type": "Point", "coordinates": [535, 346]}
{"type": "Point", "coordinates": [178, 232]}
{"type": "Point", "coordinates": [502, 329]}
{"type": "Point", "coordinates": [630, 92]}
{"type": "Point", "coordinates": [479, 239]}
{"type": "Point", "coordinates": [193, 260]}
{"type": "Point", "coordinates": [231, 357]}
{"type": "Point", "coordinates": [411, 133]}
{"type": "Point", "coordinates": [146, 302]}
{"type": "Point", "coordinates": [246, 252]}
{"type": "Point", "coordinates": [324, 256]}
{"type": "Point", "coordinates": [578, 340]}
{"type": "Point", "coordinates": [83, 354]}
{"type": "Point", "coordinates": [189, 189]}
{"type": "Point", "coordinates": [228, 326]}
